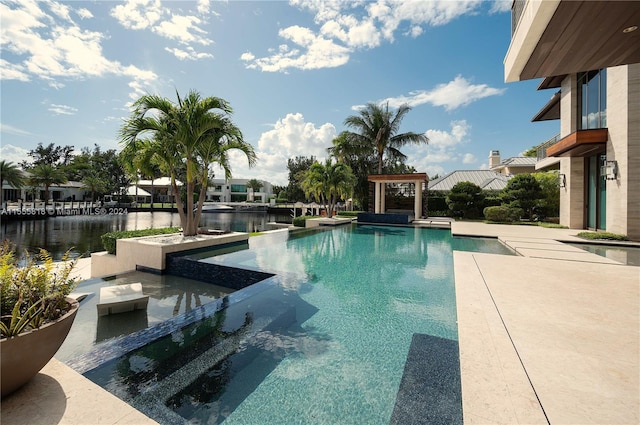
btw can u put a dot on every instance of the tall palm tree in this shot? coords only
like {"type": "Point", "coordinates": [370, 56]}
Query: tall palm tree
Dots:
{"type": "Point", "coordinates": [254, 185]}
{"type": "Point", "coordinates": [94, 184]}
{"type": "Point", "coordinates": [12, 174]}
{"type": "Point", "coordinates": [328, 183]}
{"type": "Point", "coordinates": [46, 175]}
{"type": "Point", "coordinates": [377, 127]}
{"type": "Point", "coordinates": [192, 134]}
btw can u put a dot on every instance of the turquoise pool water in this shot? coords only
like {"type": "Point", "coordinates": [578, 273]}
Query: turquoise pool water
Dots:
{"type": "Point", "coordinates": [323, 341]}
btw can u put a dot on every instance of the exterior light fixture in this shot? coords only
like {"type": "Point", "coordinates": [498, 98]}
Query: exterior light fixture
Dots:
{"type": "Point", "coordinates": [610, 170]}
{"type": "Point", "coordinates": [632, 28]}
{"type": "Point", "coordinates": [562, 179]}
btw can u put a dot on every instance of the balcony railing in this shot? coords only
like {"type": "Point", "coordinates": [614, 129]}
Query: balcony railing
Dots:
{"type": "Point", "coordinates": [542, 148]}
{"type": "Point", "coordinates": [516, 11]}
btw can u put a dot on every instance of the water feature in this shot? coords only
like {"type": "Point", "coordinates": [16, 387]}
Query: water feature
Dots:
{"type": "Point", "coordinates": [325, 340]}
{"type": "Point", "coordinates": [82, 232]}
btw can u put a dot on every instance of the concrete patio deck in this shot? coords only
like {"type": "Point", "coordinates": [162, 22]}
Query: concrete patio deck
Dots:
{"type": "Point", "coordinates": [550, 336]}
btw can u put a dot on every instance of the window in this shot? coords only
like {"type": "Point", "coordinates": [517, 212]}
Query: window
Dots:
{"type": "Point", "coordinates": [592, 92]}
{"type": "Point", "coordinates": [239, 188]}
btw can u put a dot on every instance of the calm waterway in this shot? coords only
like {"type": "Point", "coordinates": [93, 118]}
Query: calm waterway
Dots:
{"type": "Point", "coordinates": [82, 233]}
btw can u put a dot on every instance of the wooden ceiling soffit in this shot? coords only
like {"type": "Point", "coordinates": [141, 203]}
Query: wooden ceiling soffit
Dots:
{"type": "Point", "coordinates": [583, 36]}
{"type": "Point", "coordinates": [550, 111]}
{"type": "Point", "coordinates": [398, 178]}
{"type": "Point", "coordinates": [580, 143]}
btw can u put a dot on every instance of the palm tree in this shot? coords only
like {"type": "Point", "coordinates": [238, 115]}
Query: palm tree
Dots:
{"type": "Point", "coordinates": [10, 173]}
{"type": "Point", "coordinates": [254, 185]}
{"type": "Point", "coordinates": [191, 134]}
{"type": "Point", "coordinates": [94, 184]}
{"type": "Point", "coordinates": [377, 128]}
{"type": "Point", "coordinates": [46, 175]}
{"type": "Point", "coordinates": [328, 183]}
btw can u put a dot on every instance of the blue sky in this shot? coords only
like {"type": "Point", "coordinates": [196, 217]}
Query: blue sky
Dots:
{"type": "Point", "coordinates": [292, 71]}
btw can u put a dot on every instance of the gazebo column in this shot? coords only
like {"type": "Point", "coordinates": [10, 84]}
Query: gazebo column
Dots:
{"type": "Point", "coordinates": [376, 200]}
{"type": "Point", "coordinates": [417, 204]}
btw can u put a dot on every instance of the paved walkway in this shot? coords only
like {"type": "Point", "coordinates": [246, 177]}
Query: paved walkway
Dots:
{"type": "Point", "coordinates": [550, 336]}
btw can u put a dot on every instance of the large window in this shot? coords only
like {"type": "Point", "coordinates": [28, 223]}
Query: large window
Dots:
{"type": "Point", "coordinates": [238, 188]}
{"type": "Point", "coordinates": [592, 89]}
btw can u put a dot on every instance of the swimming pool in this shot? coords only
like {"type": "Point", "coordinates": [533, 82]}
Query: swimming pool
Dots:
{"type": "Point", "coordinates": [325, 340]}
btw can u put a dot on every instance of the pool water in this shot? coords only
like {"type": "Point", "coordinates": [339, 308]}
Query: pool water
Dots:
{"type": "Point", "coordinates": [323, 341]}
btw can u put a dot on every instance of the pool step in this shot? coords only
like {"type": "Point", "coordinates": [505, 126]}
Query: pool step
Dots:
{"type": "Point", "coordinates": [430, 390]}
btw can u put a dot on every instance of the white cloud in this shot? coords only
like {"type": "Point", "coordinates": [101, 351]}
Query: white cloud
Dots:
{"type": "Point", "coordinates": [183, 28]}
{"type": "Point", "coordinates": [62, 109]}
{"type": "Point", "coordinates": [188, 54]}
{"type": "Point", "coordinates": [469, 158]}
{"type": "Point", "coordinates": [320, 53]}
{"type": "Point", "coordinates": [500, 6]}
{"type": "Point", "coordinates": [346, 26]}
{"type": "Point", "coordinates": [12, 153]}
{"type": "Point", "coordinates": [55, 49]}
{"type": "Point", "coordinates": [454, 94]}
{"type": "Point", "coordinates": [5, 128]}
{"type": "Point", "coordinates": [443, 146]}
{"type": "Point", "coordinates": [290, 136]}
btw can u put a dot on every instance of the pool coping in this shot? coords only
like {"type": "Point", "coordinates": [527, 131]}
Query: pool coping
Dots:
{"type": "Point", "coordinates": [503, 375]}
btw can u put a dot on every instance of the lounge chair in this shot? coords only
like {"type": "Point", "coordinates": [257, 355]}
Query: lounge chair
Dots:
{"type": "Point", "coordinates": [122, 298]}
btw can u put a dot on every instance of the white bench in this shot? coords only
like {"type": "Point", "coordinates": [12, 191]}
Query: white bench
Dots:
{"type": "Point", "coordinates": [122, 298]}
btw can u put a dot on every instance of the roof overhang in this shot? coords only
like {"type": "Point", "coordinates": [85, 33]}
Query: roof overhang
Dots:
{"type": "Point", "coordinates": [580, 143]}
{"type": "Point", "coordinates": [550, 111]}
{"type": "Point", "coordinates": [398, 178]}
{"type": "Point", "coordinates": [556, 38]}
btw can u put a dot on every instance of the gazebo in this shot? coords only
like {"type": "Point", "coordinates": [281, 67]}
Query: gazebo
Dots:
{"type": "Point", "coordinates": [380, 181]}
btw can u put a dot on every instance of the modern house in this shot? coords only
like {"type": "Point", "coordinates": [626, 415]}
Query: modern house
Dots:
{"type": "Point", "coordinates": [589, 53]}
{"type": "Point", "coordinates": [485, 179]}
{"type": "Point", "coordinates": [511, 166]}
{"type": "Point", "coordinates": [236, 190]}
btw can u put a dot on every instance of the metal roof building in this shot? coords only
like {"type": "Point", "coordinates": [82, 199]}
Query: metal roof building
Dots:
{"type": "Point", "coordinates": [486, 179]}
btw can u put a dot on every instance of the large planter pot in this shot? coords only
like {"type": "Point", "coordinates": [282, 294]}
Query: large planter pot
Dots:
{"type": "Point", "coordinates": [23, 356]}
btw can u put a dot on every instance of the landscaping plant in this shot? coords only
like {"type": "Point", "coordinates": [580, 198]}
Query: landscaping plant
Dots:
{"type": "Point", "coordinates": [33, 293]}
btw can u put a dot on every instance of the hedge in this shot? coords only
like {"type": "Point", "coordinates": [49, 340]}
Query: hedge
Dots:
{"type": "Point", "coordinates": [300, 221]}
{"type": "Point", "coordinates": [109, 239]}
{"type": "Point", "coordinates": [502, 214]}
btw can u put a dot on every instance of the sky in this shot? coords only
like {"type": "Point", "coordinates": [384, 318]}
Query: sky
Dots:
{"type": "Point", "coordinates": [292, 72]}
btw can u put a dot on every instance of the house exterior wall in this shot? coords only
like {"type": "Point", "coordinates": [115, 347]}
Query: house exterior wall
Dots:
{"type": "Point", "coordinates": [623, 146]}
{"type": "Point", "coordinates": [623, 122]}
{"type": "Point", "coordinates": [572, 196]}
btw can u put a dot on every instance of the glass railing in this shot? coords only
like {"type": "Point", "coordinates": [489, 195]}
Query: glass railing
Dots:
{"type": "Point", "coordinates": [542, 148]}
{"type": "Point", "coordinates": [516, 11]}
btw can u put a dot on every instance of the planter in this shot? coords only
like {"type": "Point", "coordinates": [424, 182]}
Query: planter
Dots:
{"type": "Point", "coordinates": [23, 356]}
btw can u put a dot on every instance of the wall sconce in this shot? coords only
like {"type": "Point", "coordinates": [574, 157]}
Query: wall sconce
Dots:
{"type": "Point", "coordinates": [562, 180]}
{"type": "Point", "coordinates": [610, 170]}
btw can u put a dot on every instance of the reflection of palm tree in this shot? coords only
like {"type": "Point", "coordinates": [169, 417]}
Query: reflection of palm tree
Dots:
{"type": "Point", "coordinates": [187, 306]}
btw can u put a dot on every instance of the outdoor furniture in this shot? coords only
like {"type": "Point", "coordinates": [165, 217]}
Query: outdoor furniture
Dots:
{"type": "Point", "coordinates": [122, 298]}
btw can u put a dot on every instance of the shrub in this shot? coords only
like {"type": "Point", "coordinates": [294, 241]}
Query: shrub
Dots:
{"type": "Point", "coordinates": [602, 236]}
{"type": "Point", "coordinates": [109, 239]}
{"type": "Point", "coordinates": [33, 292]}
{"type": "Point", "coordinates": [348, 213]}
{"type": "Point", "coordinates": [523, 191]}
{"type": "Point", "coordinates": [502, 214]}
{"type": "Point", "coordinates": [465, 200]}
{"type": "Point", "coordinates": [300, 221]}
{"type": "Point", "coordinates": [442, 213]}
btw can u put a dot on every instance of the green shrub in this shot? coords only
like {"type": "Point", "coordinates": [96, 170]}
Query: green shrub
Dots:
{"type": "Point", "coordinates": [443, 213]}
{"type": "Point", "coordinates": [348, 213]}
{"type": "Point", "coordinates": [502, 214]}
{"type": "Point", "coordinates": [300, 220]}
{"type": "Point", "coordinates": [602, 236]}
{"type": "Point", "coordinates": [109, 239]}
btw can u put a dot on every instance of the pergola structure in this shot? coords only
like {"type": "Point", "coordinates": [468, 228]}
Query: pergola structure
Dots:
{"type": "Point", "coordinates": [380, 181]}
